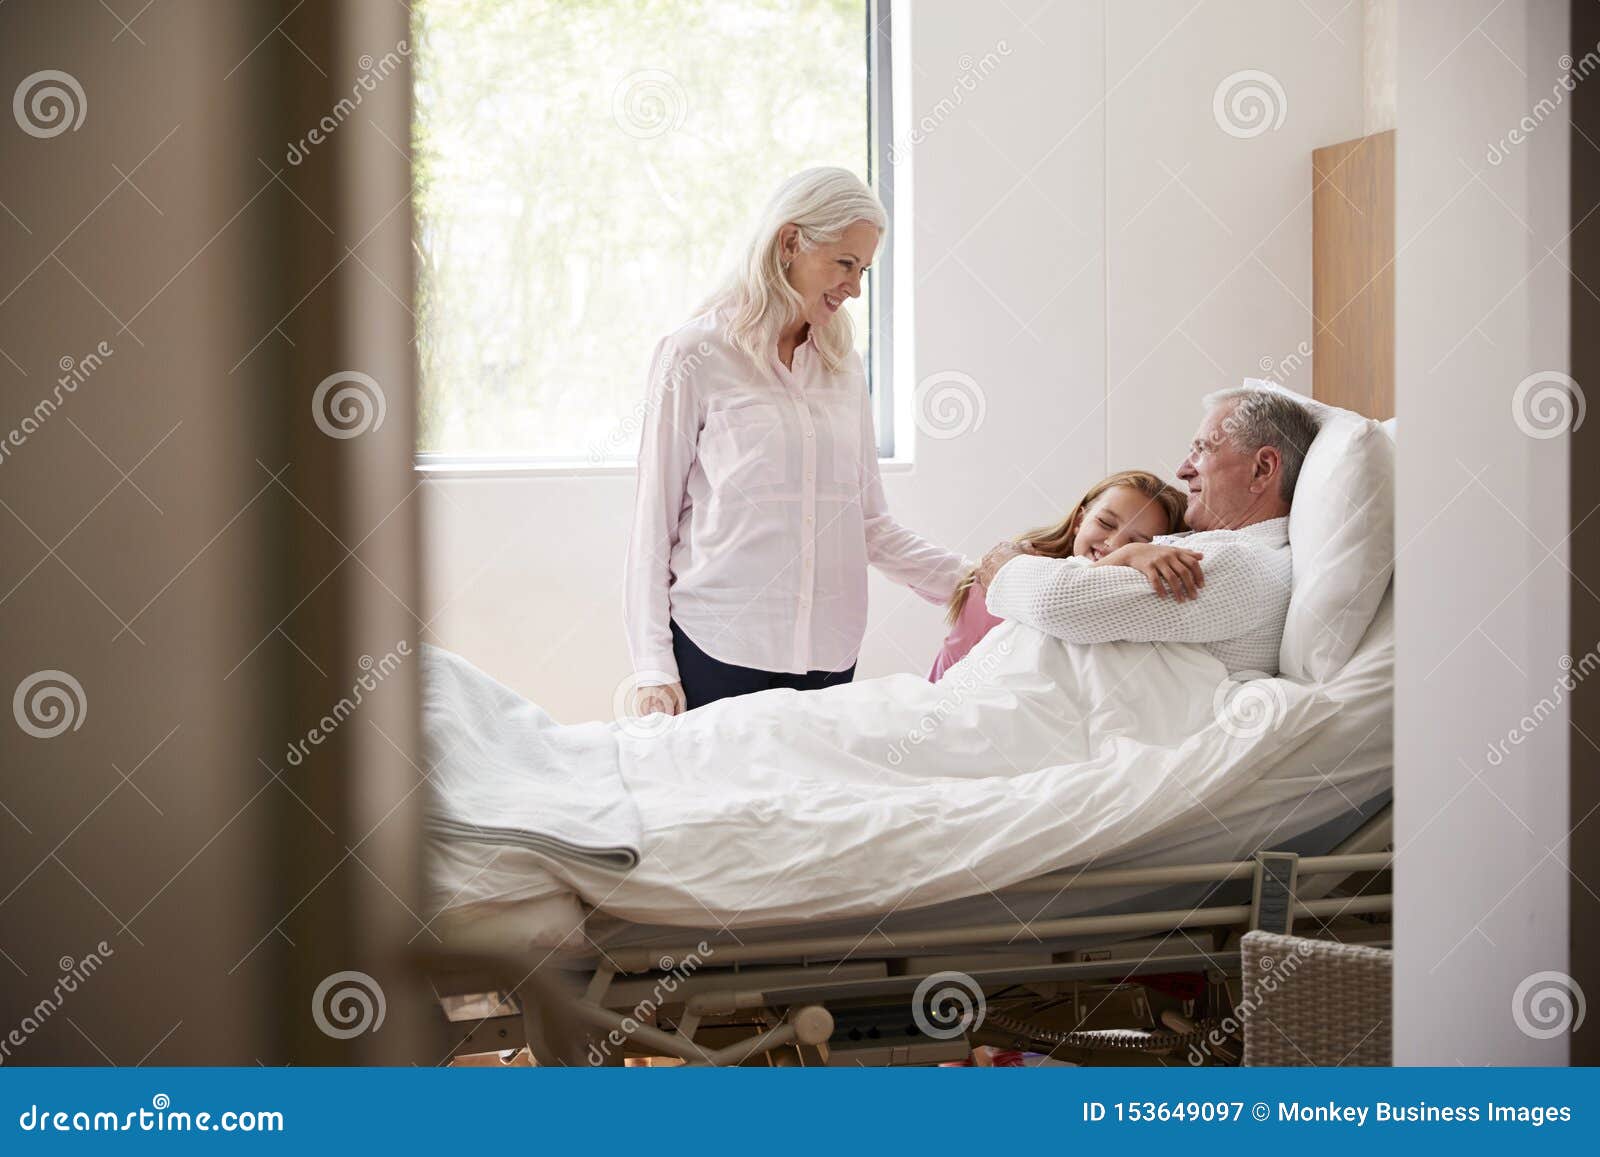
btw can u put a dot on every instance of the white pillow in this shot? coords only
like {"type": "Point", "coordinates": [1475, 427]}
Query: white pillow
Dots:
{"type": "Point", "coordinates": [1341, 540]}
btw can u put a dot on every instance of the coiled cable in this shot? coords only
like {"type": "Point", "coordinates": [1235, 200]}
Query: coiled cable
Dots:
{"type": "Point", "coordinates": [1136, 1040]}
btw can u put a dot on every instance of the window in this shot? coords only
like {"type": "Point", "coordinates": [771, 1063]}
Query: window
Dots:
{"type": "Point", "coordinates": [585, 174]}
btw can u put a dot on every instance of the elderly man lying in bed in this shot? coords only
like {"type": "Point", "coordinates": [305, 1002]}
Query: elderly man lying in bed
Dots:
{"type": "Point", "coordinates": [1241, 472]}
{"type": "Point", "coordinates": [1036, 751]}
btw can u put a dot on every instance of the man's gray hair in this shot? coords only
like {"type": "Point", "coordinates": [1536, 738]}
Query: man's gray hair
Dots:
{"type": "Point", "coordinates": [1268, 418]}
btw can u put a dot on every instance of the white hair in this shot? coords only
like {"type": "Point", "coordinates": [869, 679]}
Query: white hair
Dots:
{"type": "Point", "coordinates": [1268, 418]}
{"type": "Point", "coordinates": [821, 203]}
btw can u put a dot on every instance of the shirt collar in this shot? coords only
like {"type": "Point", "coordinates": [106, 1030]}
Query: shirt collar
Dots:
{"type": "Point", "coordinates": [804, 351]}
{"type": "Point", "coordinates": [1272, 532]}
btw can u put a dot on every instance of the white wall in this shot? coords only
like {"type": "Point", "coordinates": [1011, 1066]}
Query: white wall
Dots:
{"type": "Point", "coordinates": [1209, 235]}
{"type": "Point", "coordinates": [1085, 243]}
{"type": "Point", "coordinates": [1481, 583]}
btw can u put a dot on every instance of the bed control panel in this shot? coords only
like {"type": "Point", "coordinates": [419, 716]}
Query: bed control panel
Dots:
{"type": "Point", "coordinates": [1272, 906]}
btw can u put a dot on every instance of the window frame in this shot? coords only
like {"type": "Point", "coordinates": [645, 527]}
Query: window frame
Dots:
{"type": "Point", "coordinates": [880, 339]}
{"type": "Point", "coordinates": [880, 175]}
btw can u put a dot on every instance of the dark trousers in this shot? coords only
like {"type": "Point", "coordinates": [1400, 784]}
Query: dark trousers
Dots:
{"type": "Point", "coordinates": [705, 680]}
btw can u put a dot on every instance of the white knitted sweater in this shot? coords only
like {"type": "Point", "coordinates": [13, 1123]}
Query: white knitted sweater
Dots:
{"type": "Point", "coordinates": [1238, 615]}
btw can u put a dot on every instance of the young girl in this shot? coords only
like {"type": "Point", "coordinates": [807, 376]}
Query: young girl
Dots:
{"type": "Point", "coordinates": [1128, 507]}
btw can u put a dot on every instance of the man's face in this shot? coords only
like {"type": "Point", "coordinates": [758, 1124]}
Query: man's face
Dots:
{"type": "Point", "coordinates": [1221, 478]}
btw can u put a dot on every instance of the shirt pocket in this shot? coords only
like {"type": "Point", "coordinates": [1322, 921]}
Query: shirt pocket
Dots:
{"type": "Point", "coordinates": [743, 448]}
{"type": "Point", "coordinates": [844, 428]}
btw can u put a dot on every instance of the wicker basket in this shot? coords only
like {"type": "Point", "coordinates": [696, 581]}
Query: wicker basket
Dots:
{"type": "Point", "coordinates": [1314, 1002]}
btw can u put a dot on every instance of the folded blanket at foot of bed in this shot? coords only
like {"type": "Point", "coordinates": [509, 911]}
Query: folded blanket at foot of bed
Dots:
{"type": "Point", "coordinates": [1029, 756]}
{"type": "Point", "coordinates": [505, 775]}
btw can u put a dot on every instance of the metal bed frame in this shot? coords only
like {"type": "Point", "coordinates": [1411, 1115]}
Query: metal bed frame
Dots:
{"type": "Point", "coordinates": [1149, 984]}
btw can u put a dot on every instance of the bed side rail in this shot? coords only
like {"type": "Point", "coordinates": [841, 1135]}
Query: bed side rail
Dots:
{"type": "Point", "coordinates": [753, 950]}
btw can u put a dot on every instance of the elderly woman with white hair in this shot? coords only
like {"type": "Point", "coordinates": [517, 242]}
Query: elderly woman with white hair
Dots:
{"type": "Point", "coordinates": [759, 504]}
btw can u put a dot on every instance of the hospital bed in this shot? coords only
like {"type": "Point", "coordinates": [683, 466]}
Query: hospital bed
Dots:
{"type": "Point", "coordinates": [1145, 981]}
{"type": "Point", "coordinates": [1131, 960]}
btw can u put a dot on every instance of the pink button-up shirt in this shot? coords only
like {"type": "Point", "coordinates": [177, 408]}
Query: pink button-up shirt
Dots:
{"type": "Point", "coordinates": [759, 508]}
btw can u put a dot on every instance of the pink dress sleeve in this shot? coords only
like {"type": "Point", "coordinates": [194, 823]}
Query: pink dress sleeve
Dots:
{"type": "Point", "coordinates": [973, 624]}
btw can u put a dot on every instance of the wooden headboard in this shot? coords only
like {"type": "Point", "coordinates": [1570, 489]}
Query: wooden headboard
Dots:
{"type": "Point", "coordinates": [1352, 275]}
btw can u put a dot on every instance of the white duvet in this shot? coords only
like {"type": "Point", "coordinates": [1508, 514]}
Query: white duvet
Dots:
{"type": "Point", "coordinates": [1031, 755]}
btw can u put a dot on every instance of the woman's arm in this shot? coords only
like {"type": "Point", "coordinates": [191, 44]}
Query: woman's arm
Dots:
{"type": "Point", "coordinates": [901, 554]}
{"type": "Point", "coordinates": [668, 444]}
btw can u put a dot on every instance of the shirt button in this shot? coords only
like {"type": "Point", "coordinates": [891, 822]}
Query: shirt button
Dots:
{"type": "Point", "coordinates": [810, 433]}
{"type": "Point", "coordinates": [811, 477]}
{"type": "Point", "coordinates": [811, 518]}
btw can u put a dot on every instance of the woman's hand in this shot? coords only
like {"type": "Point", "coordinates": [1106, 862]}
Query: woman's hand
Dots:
{"type": "Point", "coordinates": [1170, 569]}
{"type": "Point", "coordinates": [666, 699]}
{"type": "Point", "coordinates": [998, 557]}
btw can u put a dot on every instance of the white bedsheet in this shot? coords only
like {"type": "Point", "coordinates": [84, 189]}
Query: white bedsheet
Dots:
{"type": "Point", "coordinates": [1306, 802]}
{"type": "Point", "coordinates": [1032, 755]}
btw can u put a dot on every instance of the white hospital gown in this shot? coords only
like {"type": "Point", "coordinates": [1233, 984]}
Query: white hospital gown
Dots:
{"type": "Point", "coordinates": [1238, 617]}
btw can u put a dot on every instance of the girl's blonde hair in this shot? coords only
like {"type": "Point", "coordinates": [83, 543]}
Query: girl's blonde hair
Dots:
{"type": "Point", "coordinates": [821, 203]}
{"type": "Point", "coordinates": [1056, 541]}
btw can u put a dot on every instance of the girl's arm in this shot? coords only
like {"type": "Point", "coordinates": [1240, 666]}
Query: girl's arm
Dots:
{"type": "Point", "coordinates": [1081, 602]}
{"type": "Point", "coordinates": [1171, 569]}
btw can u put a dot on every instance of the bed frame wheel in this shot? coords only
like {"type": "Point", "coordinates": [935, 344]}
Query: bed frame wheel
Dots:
{"type": "Point", "coordinates": [813, 1024]}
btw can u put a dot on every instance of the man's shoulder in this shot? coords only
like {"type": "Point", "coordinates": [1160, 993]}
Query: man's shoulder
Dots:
{"type": "Point", "coordinates": [1258, 554]}
{"type": "Point", "coordinates": [1200, 539]}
